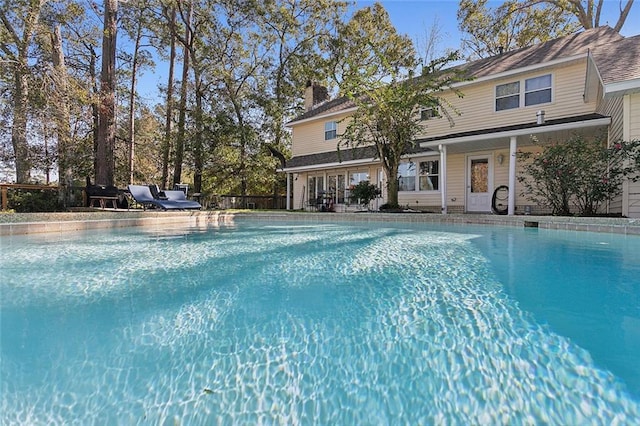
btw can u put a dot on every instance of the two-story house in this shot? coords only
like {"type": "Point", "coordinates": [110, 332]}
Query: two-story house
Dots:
{"type": "Point", "coordinates": [587, 83]}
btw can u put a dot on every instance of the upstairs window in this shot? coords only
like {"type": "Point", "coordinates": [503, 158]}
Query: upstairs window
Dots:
{"type": "Point", "coordinates": [537, 90]}
{"type": "Point", "coordinates": [330, 130]}
{"type": "Point", "coordinates": [508, 96]}
{"type": "Point", "coordinates": [427, 113]}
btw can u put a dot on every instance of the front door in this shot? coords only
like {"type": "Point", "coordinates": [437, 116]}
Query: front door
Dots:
{"type": "Point", "coordinates": [478, 184]}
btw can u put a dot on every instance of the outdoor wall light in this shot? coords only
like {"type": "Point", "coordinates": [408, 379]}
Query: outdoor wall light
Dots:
{"type": "Point", "coordinates": [500, 158]}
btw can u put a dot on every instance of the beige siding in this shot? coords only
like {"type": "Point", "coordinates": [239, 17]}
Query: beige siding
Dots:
{"type": "Point", "coordinates": [634, 113]}
{"type": "Point", "coordinates": [456, 183]}
{"type": "Point", "coordinates": [613, 107]}
{"type": "Point", "coordinates": [308, 137]}
{"type": "Point", "coordinates": [477, 107]}
{"type": "Point", "coordinates": [634, 134]}
{"type": "Point", "coordinates": [634, 200]}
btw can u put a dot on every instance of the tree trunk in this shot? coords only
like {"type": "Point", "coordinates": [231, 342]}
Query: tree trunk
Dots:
{"type": "Point", "coordinates": [198, 154]}
{"type": "Point", "coordinates": [19, 129]}
{"type": "Point", "coordinates": [392, 185]}
{"type": "Point", "coordinates": [132, 101]}
{"type": "Point", "coordinates": [62, 116]}
{"type": "Point", "coordinates": [166, 143]}
{"type": "Point", "coordinates": [177, 171]}
{"type": "Point", "coordinates": [105, 160]}
{"type": "Point", "coordinates": [21, 81]}
{"type": "Point", "coordinates": [95, 115]}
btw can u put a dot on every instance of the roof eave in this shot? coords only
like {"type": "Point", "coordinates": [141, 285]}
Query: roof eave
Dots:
{"type": "Point", "coordinates": [622, 88]}
{"type": "Point", "coordinates": [329, 165]}
{"type": "Point", "coordinates": [320, 115]}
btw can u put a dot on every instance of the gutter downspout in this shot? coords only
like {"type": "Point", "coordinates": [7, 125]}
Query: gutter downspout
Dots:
{"type": "Point", "coordinates": [513, 146]}
{"type": "Point", "coordinates": [443, 176]}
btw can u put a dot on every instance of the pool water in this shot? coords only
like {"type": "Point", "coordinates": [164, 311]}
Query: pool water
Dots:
{"type": "Point", "coordinates": [320, 324]}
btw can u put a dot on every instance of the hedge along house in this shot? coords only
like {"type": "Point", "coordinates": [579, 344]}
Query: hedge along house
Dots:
{"type": "Point", "coordinates": [587, 83]}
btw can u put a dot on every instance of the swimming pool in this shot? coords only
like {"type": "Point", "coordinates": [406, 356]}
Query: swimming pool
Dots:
{"type": "Point", "coordinates": [320, 324]}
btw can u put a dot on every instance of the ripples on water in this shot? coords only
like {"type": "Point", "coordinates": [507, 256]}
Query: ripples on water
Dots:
{"type": "Point", "coordinates": [318, 324]}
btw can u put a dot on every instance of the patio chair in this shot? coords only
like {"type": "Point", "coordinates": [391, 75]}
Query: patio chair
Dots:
{"type": "Point", "coordinates": [143, 196]}
{"type": "Point", "coordinates": [179, 196]}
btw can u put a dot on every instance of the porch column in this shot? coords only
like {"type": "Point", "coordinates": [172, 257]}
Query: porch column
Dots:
{"type": "Point", "coordinates": [443, 176]}
{"type": "Point", "coordinates": [513, 145]}
{"type": "Point", "coordinates": [288, 191]}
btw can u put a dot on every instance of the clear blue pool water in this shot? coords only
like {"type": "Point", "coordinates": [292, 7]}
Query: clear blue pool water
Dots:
{"type": "Point", "coordinates": [320, 324]}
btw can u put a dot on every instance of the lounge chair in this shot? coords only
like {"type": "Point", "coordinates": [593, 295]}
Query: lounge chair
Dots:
{"type": "Point", "coordinates": [142, 195]}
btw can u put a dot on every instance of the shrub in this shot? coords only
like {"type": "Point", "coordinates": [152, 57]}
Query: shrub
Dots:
{"type": "Point", "coordinates": [34, 201]}
{"type": "Point", "coordinates": [363, 193]}
{"type": "Point", "coordinates": [583, 173]}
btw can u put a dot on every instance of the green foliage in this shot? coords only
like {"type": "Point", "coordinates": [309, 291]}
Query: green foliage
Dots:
{"type": "Point", "coordinates": [34, 201]}
{"type": "Point", "coordinates": [583, 173]}
{"type": "Point", "coordinates": [514, 24]}
{"type": "Point", "coordinates": [363, 193]}
{"type": "Point", "coordinates": [511, 25]}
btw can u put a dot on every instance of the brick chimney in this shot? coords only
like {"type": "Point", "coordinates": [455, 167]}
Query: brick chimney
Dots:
{"type": "Point", "coordinates": [314, 94]}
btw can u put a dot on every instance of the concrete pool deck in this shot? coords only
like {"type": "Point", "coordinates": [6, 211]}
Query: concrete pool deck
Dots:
{"type": "Point", "coordinates": [35, 223]}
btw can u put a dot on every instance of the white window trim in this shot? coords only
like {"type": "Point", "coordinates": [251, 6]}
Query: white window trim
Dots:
{"type": "Point", "coordinates": [417, 161]}
{"type": "Point", "coordinates": [522, 93]}
{"type": "Point", "coordinates": [334, 129]}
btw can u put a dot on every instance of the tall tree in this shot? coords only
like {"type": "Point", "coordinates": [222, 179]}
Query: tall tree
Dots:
{"type": "Point", "coordinates": [511, 25]}
{"type": "Point", "coordinates": [186, 40]}
{"type": "Point", "coordinates": [73, 82]}
{"type": "Point", "coordinates": [296, 33]}
{"type": "Point", "coordinates": [589, 12]}
{"type": "Point", "coordinates": [19, 21]}
{"type": "Point", "coordinates": [105, 159]}
{"type": "Point", "coordinates": [515, 24]}
{"type": "Point", "coordinates": [134, 22]}
{"type": "Point", "coordinates": [62, 119]}
{"type": "Point", "coordinates": [168, 123]}
{"type": "Point", "coordinates": [386, 93]}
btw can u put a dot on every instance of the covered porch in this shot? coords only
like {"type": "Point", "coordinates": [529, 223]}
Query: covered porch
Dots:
{"type": "Point", "coordinates": [475, 164]}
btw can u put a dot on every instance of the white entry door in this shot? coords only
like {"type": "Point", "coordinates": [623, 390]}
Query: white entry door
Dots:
{"type": "Point", "coordinates": [479, 184]}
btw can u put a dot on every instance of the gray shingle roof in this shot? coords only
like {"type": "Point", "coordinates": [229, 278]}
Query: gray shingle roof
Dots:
{"type": "Point", "coordinates": [619, 61]}
{"type": "Point", "coordinates": [571, 45]}
{"type": "Point", "coordinates": [334, 105]}
{"type": "Point", "coordinates": [348, 154]}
